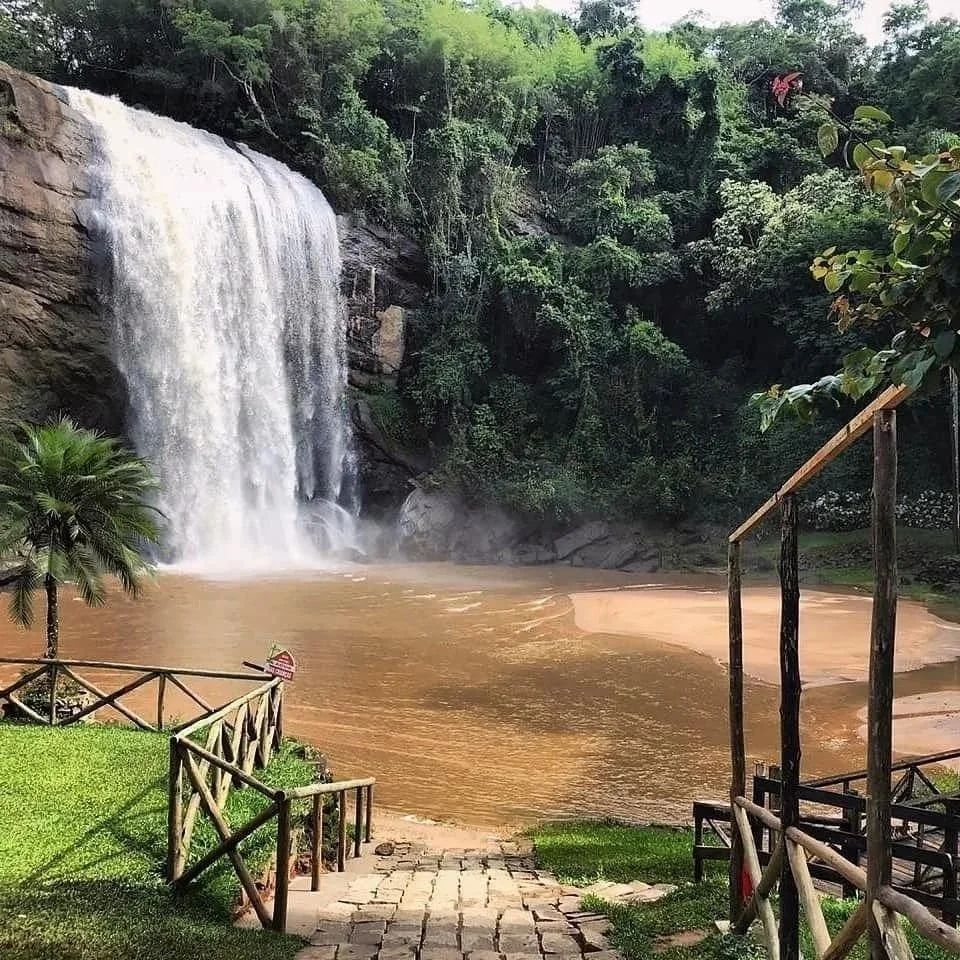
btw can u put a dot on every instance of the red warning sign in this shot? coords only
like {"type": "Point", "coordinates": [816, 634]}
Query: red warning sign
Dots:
{"type": "Point", "coordinates": [280, 664]}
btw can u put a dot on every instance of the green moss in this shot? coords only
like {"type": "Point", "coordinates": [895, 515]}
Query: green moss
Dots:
{"type": "Point", "coordinates": [83, 845]}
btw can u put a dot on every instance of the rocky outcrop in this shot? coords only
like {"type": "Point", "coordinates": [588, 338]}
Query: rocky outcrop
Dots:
{"type": "Point", "coordinates": [386, 468]}
{"type": "Point", "coordinates": [384, 281]}
{"type": "Point", "coordinates": [54, 338]}
{"type": "Point", "coordinates": [438, 525]}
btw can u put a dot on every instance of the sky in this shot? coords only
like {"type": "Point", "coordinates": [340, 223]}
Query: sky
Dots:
{"type": "Point", "coordinates": [655, 13]}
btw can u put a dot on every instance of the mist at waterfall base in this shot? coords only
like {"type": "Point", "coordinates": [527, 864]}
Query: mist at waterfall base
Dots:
{"type": "Point", "coordinates": [221, 270]}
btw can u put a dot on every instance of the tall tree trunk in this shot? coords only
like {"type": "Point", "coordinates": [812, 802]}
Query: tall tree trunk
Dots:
{"type": "Point", "coordinates": [53, 617]}
{"type": "Point", "coordinates": [955, 457]}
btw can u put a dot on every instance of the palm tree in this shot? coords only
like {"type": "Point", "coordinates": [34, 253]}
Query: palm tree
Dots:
{"type": "Point", "coordinates": [74, 505]}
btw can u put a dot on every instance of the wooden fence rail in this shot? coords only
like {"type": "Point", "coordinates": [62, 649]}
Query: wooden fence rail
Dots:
{"type": "Point", "coordinates": [220, 749]}
{"type": "Point", "coordinates": [58, 670]}
{"type": "Point", "coordinates": [797, 851]}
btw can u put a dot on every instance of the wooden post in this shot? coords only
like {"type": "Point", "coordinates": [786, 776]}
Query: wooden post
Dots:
{"type": "Point", "coordinates": [161, 694]}
{"type": "Point", "coordinates": [951, 807]}
{"type": "Point", "coordinates": [174, 813]}
{"type": "Point", "coordinates": [283, 867]}
{"type": "Point", "coordinates": [358, 821]}
{"type": "Point", "coordinates": [369, 824]}
{"type": "Point", "coordinates": [850, 851]}
{"type": "Point", "coordinates": [955, 457]}
{"type": "Point", "coordinates": [54, 681]}
{"type": "Point", "coordinates": [316, 849]}
{"type": "Point", "coordinates": [882, 630]}
{"type": "Point", "coordinates": [738, 775]}
{"type": "Point", "coordinates": [789, 719]}
{"type": "Point", "coordinates": [342, 831]}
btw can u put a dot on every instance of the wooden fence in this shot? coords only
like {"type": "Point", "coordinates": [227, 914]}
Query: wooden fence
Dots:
{"type": "Point", "coordinates": [793, 850]}
{"type": "Point", "coordinates": [219, 750]}
{"type": "Point", "coordinates": [925, 843]}
{"type": "Point", "coordinates": [59, 670]}
{"type": "Point", "coordinates": [236, 740]}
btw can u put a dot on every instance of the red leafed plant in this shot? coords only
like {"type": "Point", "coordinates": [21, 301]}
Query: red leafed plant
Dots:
{"type": "Point", "coordinates": [782, 86]}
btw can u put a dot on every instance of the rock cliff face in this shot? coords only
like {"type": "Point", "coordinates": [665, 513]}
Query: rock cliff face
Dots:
{"type": "Point", "coordinates": [54, 338]}
{"type": "Point", "coordinates": [55, 335]}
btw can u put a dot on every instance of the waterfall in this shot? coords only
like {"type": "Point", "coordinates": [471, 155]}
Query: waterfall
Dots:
{"type": "Point", "coordinates": [222, 269]}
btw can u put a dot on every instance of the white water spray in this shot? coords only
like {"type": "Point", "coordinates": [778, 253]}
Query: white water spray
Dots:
{"type": "Point", "coordinates": [223, 282]}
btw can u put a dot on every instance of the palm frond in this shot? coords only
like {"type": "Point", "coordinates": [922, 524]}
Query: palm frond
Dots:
{"type": "Point", "coordinates": [28, 577]}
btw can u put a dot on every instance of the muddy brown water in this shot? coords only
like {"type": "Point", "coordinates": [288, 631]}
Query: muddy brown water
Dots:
{"type": "Point", "coordinates": [500, 696]}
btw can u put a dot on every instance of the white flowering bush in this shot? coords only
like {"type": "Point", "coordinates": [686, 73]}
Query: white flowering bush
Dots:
{"type": "Point", "coordinates": [838, 510]}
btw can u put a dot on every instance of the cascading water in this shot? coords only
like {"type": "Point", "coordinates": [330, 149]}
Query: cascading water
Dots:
{"type": "Point", "coordinates": [223, 280]}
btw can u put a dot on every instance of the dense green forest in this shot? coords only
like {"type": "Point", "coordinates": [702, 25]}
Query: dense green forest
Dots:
{"type": "Point", "coordinates": [619, 223]}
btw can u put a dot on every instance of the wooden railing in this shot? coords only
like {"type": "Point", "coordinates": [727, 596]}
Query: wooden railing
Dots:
{"type": "Point", "coordinates": [59, 670]}
{"type": "Point", "coordinates": [222, 750]}
{"type": "Point", "coordinates": [800, 849]}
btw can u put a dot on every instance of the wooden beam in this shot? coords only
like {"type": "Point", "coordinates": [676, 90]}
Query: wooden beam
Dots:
{"type": "Point", "coordinates": [789, 717]}
{"type": "Point", "coordinates": [29, 711]}
{"type": "Point", "coordinates": [891, 398]}
{"type": "Point", "coordinates": [880, 693]}
{"type": "Point", "coordinates": [195, 697]}
{"type": "Point", "coordinates": [109, 699]}
{"type": "Point", "coordinates": [316, 845]}
{"type": "Point", "coordinates": [138, 668]}
{"type": "Point", "coordinates": [342, 831]}
{"type": "Point", "coordinates": [368, 826]}
{"type": "Point", "coordinates": [923, 921]}
{"type": "Point", "coordinates": [893, 942]}
{"type": "Point", "coordinates": [738, 774]}
{"type": "Point", "coordinates": [223, 830]}
{"type": "Point", "coordinates": [769, 879]}
{"type": "Point", "coordinates": [161, 695]}
{"type": "Point", "coordinates": [284, 842]}
{"type": "Point", "coordinates": [22, 681]}
{"type": "Point", "coordinates": [808, 898]}
{"type": "Point", "coordinates": [856, 876]}
{"type": "Point", "coordinates": [225, 846]}
{"type": "Point", "coordinates": [849, 934]}
{"type": "Point", "coordinates": [231, 768]}
{"type": "Point", "coordinates": [175, 813]}
{"type": "Point", "coordinates": [752, 862]}
{"type": "Point", "coordinates": [222, 712]}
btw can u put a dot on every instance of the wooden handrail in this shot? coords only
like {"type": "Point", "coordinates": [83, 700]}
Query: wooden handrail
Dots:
{"type": "Point", "coordinates": [228, 708]}
{"type": "Point", "coordinates": [891, 398]}
{"type": "Point", "coordinates": [317, 789]}
{"type": "Point", "coordinates": [140, 668]}
{"type": "Point", "coordinates": [921, 761]}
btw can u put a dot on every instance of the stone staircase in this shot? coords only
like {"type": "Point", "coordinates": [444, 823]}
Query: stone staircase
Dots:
{"type": "Point", "coordinates": [408, 902]}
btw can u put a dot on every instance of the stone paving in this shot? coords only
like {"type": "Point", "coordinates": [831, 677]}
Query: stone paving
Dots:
{"type": "Point", "coordinates": [491, 904]}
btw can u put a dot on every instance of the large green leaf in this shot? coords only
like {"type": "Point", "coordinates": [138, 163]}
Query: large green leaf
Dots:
{"type": "Point", "coordinates": [828, 138]}
{"type": "Point", "coordinates": [949, 186]}
{"type": "Point", "coordinates": [868, 112]}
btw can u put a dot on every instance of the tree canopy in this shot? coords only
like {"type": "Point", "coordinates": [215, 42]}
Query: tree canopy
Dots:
{"type": "Point", "coordinates": [620, 223]}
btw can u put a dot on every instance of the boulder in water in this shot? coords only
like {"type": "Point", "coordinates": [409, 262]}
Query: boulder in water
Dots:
{"type": "Point", "coordinates": [577, 539]}
{"type": "Point", "coordinates": [438, 525]}
{"type": "Point", "coordinates": [426, 523]}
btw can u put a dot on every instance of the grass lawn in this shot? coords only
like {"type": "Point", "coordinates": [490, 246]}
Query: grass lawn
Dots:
{"type": "Point", "coordinates": [83, 848]}
{"type": "Point", "coordinates": [586, 851]}
{"type": "Point", "coordinates": [844, 560]}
